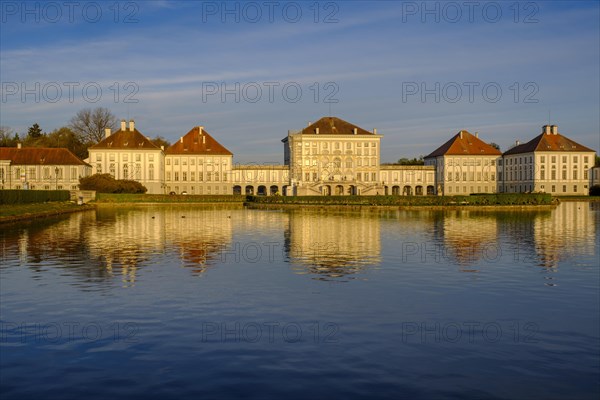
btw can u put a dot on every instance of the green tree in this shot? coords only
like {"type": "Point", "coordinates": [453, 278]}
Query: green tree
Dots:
{"type": "Point", "coordinates": [160, 141]}
{"type": "Point", "coordinates": [495, 145]}
{"type": "Point", "coordinates": [7, 137]}
{"type": "Point", "coordinates": [34, 131]}
{"type": "Point", "coordinates": [65, 137]}
{"type": "Point", "coordinates": [414, 161]}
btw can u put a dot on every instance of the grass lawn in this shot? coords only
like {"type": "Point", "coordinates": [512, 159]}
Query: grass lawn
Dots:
{"type": "Point", "coordinates": [10, 211]}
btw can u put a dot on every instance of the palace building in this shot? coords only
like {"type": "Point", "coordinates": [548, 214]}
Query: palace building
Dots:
{"type": "Point", "coordinates": [198, 164]}
{"type": "Point", "coordinates": [550, 163]}
{"type": "Point", "coordinates": [128, 154]}
{"type": "Point", "coordinates": [328, 157]}
{"type": "Point", "coordinates": [465, 164]}
{"type": "Point", "coordinates": [41, 168]}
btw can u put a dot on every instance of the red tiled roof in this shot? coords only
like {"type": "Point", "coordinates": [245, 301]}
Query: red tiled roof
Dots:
{"type": "Point", "coordinates": [465, 144]}
{"type": "Point", "coordinates": [198, 142]}
{"type": "Point", "coordinates": [126, 140]}
{"type": "Point", "coordinates": [333, 126]}
{"type": "Point", "coordinates": [39, 156]}
{"type": "Point", "coordinates": [548, 142]}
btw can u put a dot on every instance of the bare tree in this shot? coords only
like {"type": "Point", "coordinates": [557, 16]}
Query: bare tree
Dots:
{"type": "Point", "coordinates": [89, 124]}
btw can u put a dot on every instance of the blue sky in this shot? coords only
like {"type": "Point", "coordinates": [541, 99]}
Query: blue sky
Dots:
{"type": "Point", "coordinates": [374, 59]}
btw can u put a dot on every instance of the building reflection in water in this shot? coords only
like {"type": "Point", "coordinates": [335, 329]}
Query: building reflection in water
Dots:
{"type": "Point", "coordinates": [334, 246]}
{"type": "Point", "coordinates": [116, 242]}
{"type": "Point", "coordinates": [568, 231]}
{"type": "Point", "coordinates": [465, 238]}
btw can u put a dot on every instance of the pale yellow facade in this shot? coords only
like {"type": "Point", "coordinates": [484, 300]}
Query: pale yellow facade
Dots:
{"type": "Point", "coordinates": [198, 174]}
{"type": "Point", "coordinates": [463, 175]}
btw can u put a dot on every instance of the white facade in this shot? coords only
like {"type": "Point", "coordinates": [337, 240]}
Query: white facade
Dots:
{"type": "Point", "coordinates": [127, 154]}
{"type": "Point", "coordinates": [550, 163]}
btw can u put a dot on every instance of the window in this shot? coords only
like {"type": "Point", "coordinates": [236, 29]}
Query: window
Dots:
{"type": "Point", "coordinates": [98, 157]}
{"type": "Point", "coordinates": [553, 188]}
{"type": "Point", "coordinates": [184, 176]}
{"type": "Point", "coordinates": [31, 174]}
{"type": "Point", "coordinates": [564, 188]}
{"type": "Point", "coordinates": [193, 162]}
{"type": "Point", "coordinates": [176, 161]}
{"type": "Point", "coordinates": [138, 157]}
{"type": "Point", "coordinates": [575, 188]}
{"type": "Point", "coordinates": [543, 159]}
{"type": "Point", "coordinates": [168, 161]}
{"type": "Point", "coordinates": [192, 175]}
{"type": "Point", "coordinates": [111, 157]}
{"type": "Point", "coordinates": [151, 172]}
{"type": "Point", "coordinates": [216, 176]}
{"type": "Point", "coordinates": [73, 173]}
{"type": "Point", "coordinates": [585, 159]}
{"type": "Point", "coordinates": [98, 168]}
{"type": "Point", "coordinates": [151, 157]}
{"type": "Point", "coordinates": [564, 159]}
{"type": "Point", "coordinates": [553, 159]}
{"type": "Point", "coordinates": [585, 174]}
{"type": "Point", "coordinates": [574, 174]}
{"type": "Point", "coordinates": [575, 159]}
{"type": "Point", "coordinates": [176, 176]}
{"type": "Point", "coordinates": [125, 171]}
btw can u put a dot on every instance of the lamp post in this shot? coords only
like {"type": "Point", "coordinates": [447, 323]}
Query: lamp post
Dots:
{"type": "Point", "coordinates": [56, 173]}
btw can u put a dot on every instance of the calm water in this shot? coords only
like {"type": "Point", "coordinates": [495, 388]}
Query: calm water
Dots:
{"type": "Point", "coordinates": [172, 301]}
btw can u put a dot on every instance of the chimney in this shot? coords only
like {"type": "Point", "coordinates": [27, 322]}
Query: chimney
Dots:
{"type": "Point", "coordinates": [181, 139]}
{"type": "Point", "coordinates": [200, 129]}
{"type": "Point", "coordinates": [477, 135]}
{"type": "Point", "coordinates": [123, 125]}
{"type": "Point", "coordinates": [203, 139]}
{"type": "Point", "coordinates": [317, 131]}
{"type": "Point", "coordinates": [355, 131]}
{"type": "Point", "coordinates": [374, 131]}
{"type": "Point", "coordinates": [554, 129]}
{"type": "Point", "coordinates": [106, 132]}
{"type": "Point", "coordinates": [162, 147]}
{"type": "Point", "coordinates": [309, 123]}
{"type": "Point", "coordinates": [460, 133]}
{"type": "Point", "coordinates": [18, 145]}
{"type": "Point", "coordinates": [517, 143]}
{"type": "Point", "coordinates": [547, 129]}
{"type": "Point", "coordinates": [131, 125]}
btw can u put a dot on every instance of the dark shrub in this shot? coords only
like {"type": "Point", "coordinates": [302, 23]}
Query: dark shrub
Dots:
{"type": "Point", "coordinates": [105, 183]}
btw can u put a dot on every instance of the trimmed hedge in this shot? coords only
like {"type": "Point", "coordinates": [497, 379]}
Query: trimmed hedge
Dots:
{"type": "Point", "coordinates": [474, 200]}
{"type": "Point", "coordinates": [166, 198]}
{"type": "Point", "coordinates": [32, 196]}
